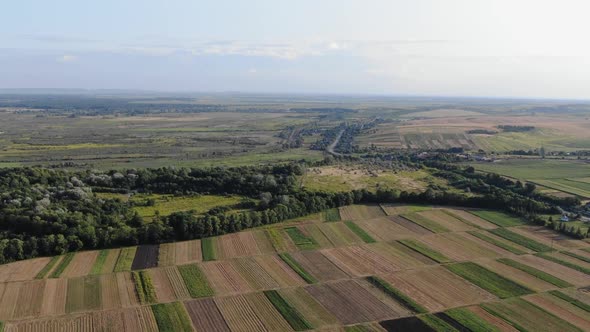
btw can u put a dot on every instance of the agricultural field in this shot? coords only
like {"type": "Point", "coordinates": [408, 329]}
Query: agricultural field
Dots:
{"type": "Point", "coordinates": [372, 269]}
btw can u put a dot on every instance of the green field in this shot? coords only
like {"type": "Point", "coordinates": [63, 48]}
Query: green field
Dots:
{"type": "Point", "coordinates": [291, 315]}
{"type": "Point", "coordinates": [332, 215]}
{"type": "Point", "coordinates": [125, 259]}
{"type": "Point", "coordinates": [527, 169]}
{"type": "Point", "coordinates": [63, 264]}
{"type": "Point", "coordinates": [208, 249]}
{"type": "Point", "coordinates": [144, 287]}
{"type": "Point", "coordinates": [535, 272]}
{"type": "Point", "coordinates": [425, 250]}
{"type": "Point", "coordinates": [498, 218]}
{"type": "Point", "coordinates": [400, 297]}
{"type": "Point", "coordinates": [195, 281]}
{"type": "Point", "coordinates": [47, 267]}
{"type": "Point", "coordinates": [99, 262]}
{"type": "Point", "coordinates": [470, 321]}
{"type": "Point", "coordinates": [526, 316]}
{"type": "Point", "coordinates": [360, 232]}
{"type": "Point", "coordinates": [488, 280]}
{"type": "Point", "coordinates": [497, 243]}
{"type": "Point", "coordinates": [437, 324]}
{"type": "Point", "coordinates": [172, 317]}
{"type": "Point", "coordinates": [569, 299]}
{"type": "Point", "coordinates": [287, 258]}
{"type": "Point", "coordinates": [302, 241]}
{"type": "Point", "coordinates": [520, 240]}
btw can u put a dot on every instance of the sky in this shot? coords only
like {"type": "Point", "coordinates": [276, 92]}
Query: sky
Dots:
{"type": "Point", "coordinates": [491, 48]}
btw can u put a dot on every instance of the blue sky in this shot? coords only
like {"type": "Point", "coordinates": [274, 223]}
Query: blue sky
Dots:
{"type": "Point", "coordinates": [521, 48]}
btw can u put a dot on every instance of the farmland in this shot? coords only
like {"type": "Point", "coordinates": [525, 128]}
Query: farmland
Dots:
{"type": "Point", "coordinates": [330, 277]}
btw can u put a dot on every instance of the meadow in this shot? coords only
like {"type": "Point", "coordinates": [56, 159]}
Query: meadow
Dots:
{"type": "Point", "coordinates": [328, 274]}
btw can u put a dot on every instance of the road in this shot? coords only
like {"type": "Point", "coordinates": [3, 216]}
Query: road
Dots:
{"type": "Point", "coordinates": [331, 147]}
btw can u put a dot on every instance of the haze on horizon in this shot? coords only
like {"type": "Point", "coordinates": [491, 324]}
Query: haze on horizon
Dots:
{"type": "Point", "coordinates": [522, 48]}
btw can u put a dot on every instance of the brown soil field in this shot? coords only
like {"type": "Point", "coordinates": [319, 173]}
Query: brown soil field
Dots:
{"type": "Point", "coordinates": [30, 299]}
{"type": "Point", "coordinates": [385, 229]}
{"type": "Point", "coordinates": [481, 243]}
{"type": "Point", "coordinates": [549, 237]}
{"type": "Point", "coordinates": [517, 275]}
{"type": "Point", "coordinates": [167, 254]}
{"type": "Point", "coordinates": [312, 310]}
{"type": "Point", "coordinates": [80, 265]}
{"type": "Point", "coordinates": [126, 287]}
{"type": "Point", "coordinates": [462, 214]}
{"type": "Point", "coordinates": [146, 256]}
{"type": "Point", "coordinates": [282, 274]}
{"type": "Point", "coordinates": [359, 261]}
{"type": "Point", "coordinates": [23, 270]}
{"type": "Point", "coordinates": [169, 284]}
{"type": "Point", "coordinates": [570, 259]}
{"type": "Point", "coordinates": [360, 212]}
{"type": "Point", "coordinates": [572, 276]}
{"type": "Point", "coordinates": [109, 292]}
{"type": "Point", "coordinates": [69, 323]}
{"type": "Point", "coordinates": [318, 265]}
{"type": "Point", "coordinates": [350, 302]}
{"type": "Point", "coordinates": [318, 235]}
{"type": "Point", "coordinates": [262, 242]}
{"type": "Point", "coordinates": [236, 245]}
{"type": "Point", "coordinates": [411, 226]}
{"type": "Point", "coordinates": [445, 220]}
{"type": "Point", "coordinates": [339, 234]}
{"type": "Point", "coordinates": [54, 297]}
{"type": "Point", "coordinates": [398, 308]}
{"type": "Point", "coordinates": [562, 309]}
{"type": "Point", "coordinates": [499, 323]}
{"type": "Point", "coordinates": [401, 256]}
{"type": "Point", "coordinates": [225, 279]}
{"type": "Point", "coordinates": [238, 314]}
{"type": "Point", "coordinates": [458, 247]}
{"type": "Point", "coordinates": [500, 239]}
{"type": "Point", "coordinates": [271, 318]}
{"type": "Point", "coordinates": [206, 316]}
{"type": "Point", "coordinates": [139, 319]}
{"type": "Point", "coordinates": [187, 252]}
{"type": "Point", "coordinates": [256, 276]}
{"type": "Point", "coordinates": [8, 299]}
{"type": "Point", "coordinates": [437, 289]}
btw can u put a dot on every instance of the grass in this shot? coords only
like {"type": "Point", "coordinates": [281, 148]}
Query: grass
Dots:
{"type": "Point", "coordinates": [195, 280]}
{"type": "Point", "coordinates": [564, 263]}
{"type": "Point", "coordinates": [144, 287]}
{"type": "Point", "coordinates": [47, 267]}
{"type": "Point", "coordinates": [497, 243]}
{"type": "Point", "coordinates": [302, 241]}
{"type": "Point", "coordinates": [535, 272]}
{"type": "Point", "coordinates": [92, 293]}
{"type": "Point", "coordinates": [520, 239]}
{"type": "Point", "coordinates": [425, 222]}
{"type": "Point", "coordinates": [360, 232]}
{"type": "Point", "coordinates": [470, 320]}
{"type": "Point", "coordinates": [400, 297]}
{"type": "Point", "coordinates": [166, 204]}
{"type": "Point", "coordinates": [287, 258]}
{"type": "Point", "coordinates": [571, 300]}
{"type": "Point", "coordinates": [425, 250]}
{"type": "Point", "coordinates": [498, 218]}
{"type": "Point", "coordinates": [576, 256]}
{"type": "Point", "coordinates": [291, 315]}
{"type": "Point", "coordinates": [99, 262]}
{"type": "Point", "coordinates": [125, 259]}
{"type": "Point", "coordinates": [437, 324]}
{"type": "Point", "coordinates": [208, 249]}
{"type": "Point", "coordinates": [171, 317]}
{"type": "Point", "coordinates": [67, 259]}
{"type": "Point", "coordinates": [332, 215]}
{"type": "Point", "coordinates": [488, 280]}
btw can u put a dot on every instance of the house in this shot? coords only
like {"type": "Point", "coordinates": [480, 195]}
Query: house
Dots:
{"type": "Point", "coordinates": [564, 218]}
